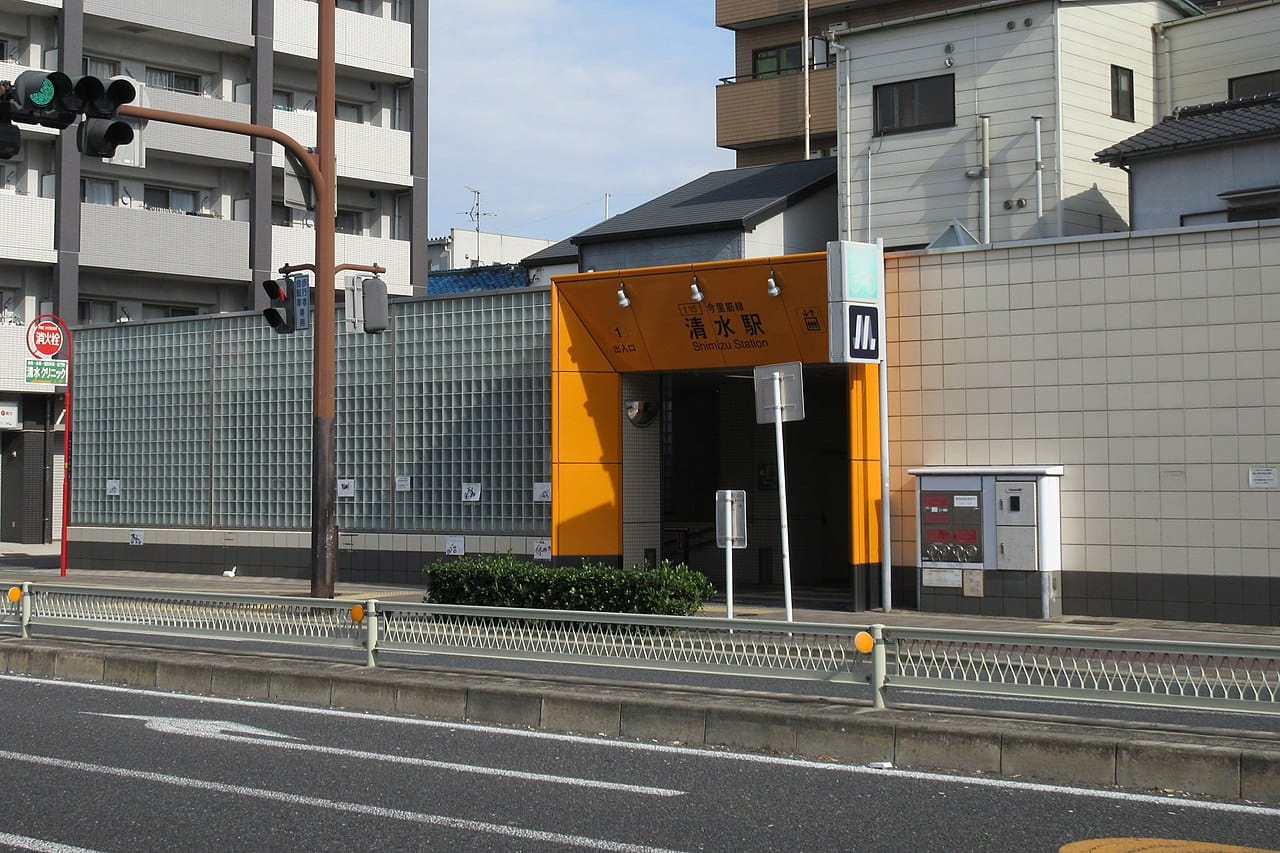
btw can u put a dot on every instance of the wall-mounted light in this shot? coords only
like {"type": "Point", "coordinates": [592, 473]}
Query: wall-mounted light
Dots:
{"type": "Point", "coordinates": [623, 301]}
{"type": "Point", "coordinates": [774, 290]}
{"type": "Point", "coordinates": [694, 293]}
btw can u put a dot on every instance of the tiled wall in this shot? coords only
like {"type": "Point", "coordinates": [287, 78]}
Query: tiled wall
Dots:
{"type": "Point", "coordinates": [1147, 364]}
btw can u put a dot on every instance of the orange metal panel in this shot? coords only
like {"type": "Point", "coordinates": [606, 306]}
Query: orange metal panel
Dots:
{"type": "Point", "coordinates": [572, 345]}
{"type": "Point", "coordinates": [737, 323]}
{"type": "Point", "coordinates": [588, 417]}
{"type": "Point", "coordinates": [864, 463]}
{"type": "Point", "coordinates": [586, 513]}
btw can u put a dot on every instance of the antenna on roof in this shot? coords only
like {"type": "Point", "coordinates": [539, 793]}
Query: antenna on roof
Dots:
{"type": "Point", "coordinates": [474, 214]}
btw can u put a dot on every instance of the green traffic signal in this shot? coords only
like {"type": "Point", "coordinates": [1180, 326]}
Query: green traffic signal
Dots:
{"type": "Point", "coordinates": [43, 96]}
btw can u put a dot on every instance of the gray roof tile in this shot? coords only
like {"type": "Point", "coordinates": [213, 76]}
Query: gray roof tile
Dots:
{"type": "Point", "coordinates": [1201, 126]}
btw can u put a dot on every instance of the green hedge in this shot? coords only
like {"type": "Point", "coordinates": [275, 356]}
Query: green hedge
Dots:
{"type": "Point", "coordinates": [488, 580]}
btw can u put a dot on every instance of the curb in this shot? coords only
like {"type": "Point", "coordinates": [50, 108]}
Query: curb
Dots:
{"type": "Point", "coordinates": [1235, 768]}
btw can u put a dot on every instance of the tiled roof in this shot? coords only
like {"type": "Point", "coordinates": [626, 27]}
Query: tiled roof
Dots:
{"type": "Point", "coordinates": [563, 252]}
{"type": "Point", "coordinates": [497, 277]}
{"type": "Point", "coordinates": [1200, 127]}
{"type": "Point", "coordinates": [734, 198]}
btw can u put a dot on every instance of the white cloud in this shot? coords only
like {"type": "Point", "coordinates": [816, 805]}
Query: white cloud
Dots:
{"type": "Point", "coordinates": [546, 105]}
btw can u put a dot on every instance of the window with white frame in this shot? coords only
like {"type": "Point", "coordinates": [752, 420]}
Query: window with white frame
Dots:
{"type": "Point", "coordinates": [282, 100]}
{"type": "Point", "coordinates": [171, 198]}
{"type": "Point", "coordinates": [349, 111]}
{"type": "Point", "coordinates": [348, 221]}
{"type": "Point", "coordinates": [97, 191]}
{"type": "Point", "coordinates": [281, 214]}
{"type": "Point", "coordinates": [174, 81]}
{"type": "Point", "coordinates": [95, 312]}
{"type": "Point", "coordinates": [1252, 85]}
{"type": "Point", "coordinates": [97, 66]}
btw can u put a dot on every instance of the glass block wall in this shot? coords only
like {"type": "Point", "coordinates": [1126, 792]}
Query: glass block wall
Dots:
{"type": "Point", "coordinates": [443, 422]}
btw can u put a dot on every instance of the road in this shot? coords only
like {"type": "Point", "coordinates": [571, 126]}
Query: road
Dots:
{"type": "Point", "coordinates": [95, 767]}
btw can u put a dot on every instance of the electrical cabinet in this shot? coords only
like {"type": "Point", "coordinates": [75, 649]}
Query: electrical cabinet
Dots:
{"type": "Point", "coordinates": [976, 519]}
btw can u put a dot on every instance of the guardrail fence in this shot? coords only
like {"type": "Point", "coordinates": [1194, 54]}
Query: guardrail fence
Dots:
{"type": "Point", "coordinates": [1221, 677]}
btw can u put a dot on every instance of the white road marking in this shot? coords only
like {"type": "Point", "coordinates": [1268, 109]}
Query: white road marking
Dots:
{"type": "Point", "coordinates": [23, 843]}
{"type": "Point", "coordinates": [333, 805]}
{"type": "Point", "coordinates": [225, 731]}
{"type": "Point", "coordinates": [751, 758]}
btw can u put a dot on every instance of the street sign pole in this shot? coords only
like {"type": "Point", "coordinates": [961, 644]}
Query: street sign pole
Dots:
{"type": "Point", "coordinates": [731, 533]}
{"type": "Point", "coordinates": [782, 492]}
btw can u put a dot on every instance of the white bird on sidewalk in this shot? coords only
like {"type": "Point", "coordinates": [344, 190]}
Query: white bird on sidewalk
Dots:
{"type": "Point", "coordinates": [230, 573]}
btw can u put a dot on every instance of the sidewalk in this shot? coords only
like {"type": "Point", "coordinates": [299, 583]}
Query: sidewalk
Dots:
{"type": "Point", "coordinates": [40, 564]}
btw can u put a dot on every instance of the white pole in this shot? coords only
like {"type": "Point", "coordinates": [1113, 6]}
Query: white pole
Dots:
{"type": "Point", "coordinates": [728, 556]}
{"type": "Point", "coordinates": [782, 492]}
{"type": "Point", "coordinates": [886, 540]}
{"type": "Point", "coordinates": [807, 58]}
{"type": "Point", "coordinates": [1039, 179]}
{"type": "Point", "coordinates": [986, 179]}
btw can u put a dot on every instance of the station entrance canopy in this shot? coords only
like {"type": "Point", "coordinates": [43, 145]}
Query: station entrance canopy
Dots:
{"type": "Point", "coordinates": [752, 312]}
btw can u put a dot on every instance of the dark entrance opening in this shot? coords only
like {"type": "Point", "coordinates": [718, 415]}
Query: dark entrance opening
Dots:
{"type": "Point", "coordinates": [711, 441]}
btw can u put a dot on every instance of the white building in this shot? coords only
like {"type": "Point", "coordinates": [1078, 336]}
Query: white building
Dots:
{"type": "Point", "coordinates": [185, 221]}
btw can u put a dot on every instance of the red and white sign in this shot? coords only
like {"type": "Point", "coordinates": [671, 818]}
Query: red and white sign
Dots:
{"type": "Point", "coordinates": [44, 338]}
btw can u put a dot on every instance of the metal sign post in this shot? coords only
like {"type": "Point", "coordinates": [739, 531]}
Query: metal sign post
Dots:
{"type": "Point", "coordinates": [731, 533]}
{"type": "Point", "coordinates": [780, 397]}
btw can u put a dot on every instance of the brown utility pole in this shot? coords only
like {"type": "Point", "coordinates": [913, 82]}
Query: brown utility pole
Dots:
{"type": "Point", "coordinates": [321, 166]}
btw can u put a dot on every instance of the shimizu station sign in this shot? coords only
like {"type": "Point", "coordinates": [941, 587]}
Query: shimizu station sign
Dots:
{"type": "Point", "coordinates": [706, 316]}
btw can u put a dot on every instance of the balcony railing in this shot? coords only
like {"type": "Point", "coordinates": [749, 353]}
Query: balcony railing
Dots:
{"type": "Point", "coordinates": [363, 41]}
{"type": "Point", "coordinates": [32, 240]}
{"type": "Point", "coordinates": [771, 108]}
{"type": "Point", "coordinates": [121, 238]}
{"type": "Point", "coordinates": [354, 143]}
{"type": "Point", "coordinates": [226, 20]}
{"type": "Point", "coordinates": [162, 136]}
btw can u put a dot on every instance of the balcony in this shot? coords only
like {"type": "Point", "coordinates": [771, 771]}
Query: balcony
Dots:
{"type": "Point", "coordinates": [178, 139]}
{"type": "Point", "coordinates": [377, 155]}
{"type": "Point", "coordinates": [13, 362]}
{"type": "Point", "coordinates": [739, 14]}
{"type": "Point", "coordinates": [163, 243]}
{"type": "Point", "coordinates": [298, 246]}
{"type": "Point", "coordinates": [29, 235]}
{"type": "Point", "coordinates": [771, 109]}
{"type": "Point", "coordinates": [224, 21]}
{"type": "Point", "coordinates": [362, 41]}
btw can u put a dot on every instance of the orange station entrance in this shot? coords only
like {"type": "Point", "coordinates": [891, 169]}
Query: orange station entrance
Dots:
{"type": "Point", "coordinates": [653, 410]}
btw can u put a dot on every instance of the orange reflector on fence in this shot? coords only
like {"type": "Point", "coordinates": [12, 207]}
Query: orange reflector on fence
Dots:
{"type": "Point", "coordinates": [357, 613]}
{"type": "Point", "coordinates": [15, 594]}
{"type": "Point", "coordinates": [864, 642]}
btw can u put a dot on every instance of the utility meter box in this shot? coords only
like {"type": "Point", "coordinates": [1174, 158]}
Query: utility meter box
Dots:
{"type": "Point", "coordinates": [990, 533]}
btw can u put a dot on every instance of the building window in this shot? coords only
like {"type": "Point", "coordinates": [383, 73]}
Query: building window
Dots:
{"type": "Point", "coordinates": [1253, 85]}
{"type": "Point", "coordinates": [163, 312]}
{"type": "Point", "coordinates": [351, 5]}
{"type": "Point", "coordinates": [174, 81]}
{"type": "Point", "coordinates": [401, 225]}
{"type": "Point", "coordinates": [282, 100]}
{"type": "Point", "coordinates": [1250, 213]}
{"type": "Point", "coordinates": [98, 67]}
{"type": "Point", "coordinates": [402, 108]}
{"type": "Point", "coordinates": [97, 191]}
{"type": "Point", "coordinates": [774, 61]}
{"type": "Point", "coordinates": [348, 111]}
{"type": "Point", "coordinates": [281, 214]}
{"type": "Point", "coordinates": [1122, 93]}
{"type": "Point", "coordinates": [347, 222]}
{"type": "Point", "coordinates": [915, 104]}
{"type": "Point", "coordinates": [171, 198]}
{"type": "Point", "coordinates": [95, 312]}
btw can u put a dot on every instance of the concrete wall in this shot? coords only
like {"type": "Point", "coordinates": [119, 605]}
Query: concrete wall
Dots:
{"type": "Point", "coordinates": [1148, 365]}
{"type": "Point", "coordinates": [1183, 189]}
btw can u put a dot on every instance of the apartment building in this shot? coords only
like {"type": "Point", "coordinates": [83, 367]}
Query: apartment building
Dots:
{"type": "Point", "coordinates": [184, 221]}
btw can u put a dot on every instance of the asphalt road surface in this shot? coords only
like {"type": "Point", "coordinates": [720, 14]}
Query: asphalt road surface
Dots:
{"type": "Point", "coordinates": [93, 767]}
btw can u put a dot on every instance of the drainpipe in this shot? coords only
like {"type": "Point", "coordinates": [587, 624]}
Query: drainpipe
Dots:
{"type": "Point", "coordinates": [1039, 179]}
{"type": "Point", "coordinates": [808, 60]}
{"type": "Point", "coordinates": [843, 146]}
{"type": "Point", "coordinates": [986, 179]}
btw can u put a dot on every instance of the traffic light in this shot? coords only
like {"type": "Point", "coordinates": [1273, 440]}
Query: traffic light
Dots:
{"type": "Point", "coordinates": [290, 308]}
{"type": "Point", "coordinates": [102, 131]}
{"type": "Point", "coordinates": [280, 314]}
{"type": "Point", "coordinates": [43, 97]}
{"type": "Point", "coordinates": [374, 297]}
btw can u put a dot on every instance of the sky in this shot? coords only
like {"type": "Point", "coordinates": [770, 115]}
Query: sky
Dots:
{"type": "Point", "coordinates": [544, 106]}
